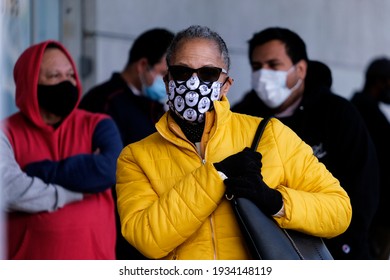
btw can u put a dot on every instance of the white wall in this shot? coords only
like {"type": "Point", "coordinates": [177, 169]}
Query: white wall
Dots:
{"type": "Point", "coordinates": [344, 34]}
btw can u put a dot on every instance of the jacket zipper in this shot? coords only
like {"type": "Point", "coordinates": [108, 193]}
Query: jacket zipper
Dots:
{"type": "Point", "coordinates": [213, 236]}
{"type": "Point", "coordinates": [199, 153]}
{"type": "Point", "coordinates": [212, 228]}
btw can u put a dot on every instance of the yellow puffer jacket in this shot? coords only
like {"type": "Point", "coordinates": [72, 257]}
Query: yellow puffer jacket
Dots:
{"type": "Point", "coordinates": [171, 201]}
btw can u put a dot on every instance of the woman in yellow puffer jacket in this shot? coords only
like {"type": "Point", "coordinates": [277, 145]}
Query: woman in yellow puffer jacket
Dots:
{"type": "Point", "coordinates": [171, 195]}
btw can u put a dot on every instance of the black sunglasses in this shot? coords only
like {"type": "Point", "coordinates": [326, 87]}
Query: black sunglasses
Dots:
{"type": "Point", "coordinates": [206, 73]}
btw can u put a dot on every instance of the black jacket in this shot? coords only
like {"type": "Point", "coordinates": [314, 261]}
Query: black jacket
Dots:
{"type": "Point", "coordinates": [379, 128]}
{"type": "Point", "coordinates": [134, 115]}
{"type": "Point", "coordinates": [332, 126]}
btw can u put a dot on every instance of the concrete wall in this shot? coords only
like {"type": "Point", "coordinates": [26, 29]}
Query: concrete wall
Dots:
{"type": "Point", "coordinates": [344, 34]}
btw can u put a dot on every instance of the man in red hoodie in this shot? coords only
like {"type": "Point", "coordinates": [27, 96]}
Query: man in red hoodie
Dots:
{"type": "Point", "coordinates": [62, 145]}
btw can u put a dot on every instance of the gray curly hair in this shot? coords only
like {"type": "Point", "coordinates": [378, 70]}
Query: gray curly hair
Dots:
{"type": "Point", "coordinates": [194, 32]}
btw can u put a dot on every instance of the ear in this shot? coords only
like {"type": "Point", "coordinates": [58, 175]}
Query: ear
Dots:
{"type": "Point", "coordinates": [301, 67]}
{"type": "Point", "coordinates": [142, 64]}
{"type": "Point", "coordinates": [225, 88]}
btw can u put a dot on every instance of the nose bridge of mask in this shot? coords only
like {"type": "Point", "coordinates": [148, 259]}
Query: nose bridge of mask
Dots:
{"type": "Point", "coordinates": [195, 75]}
{"type": "Point", "coordinates": [193, 82]}
{"type": "Point", "coordinates": [156, 91]}
{"type": "Point", "coordinates": [273, 77]}
{"type": "Point", "coordinates": [158, 81]}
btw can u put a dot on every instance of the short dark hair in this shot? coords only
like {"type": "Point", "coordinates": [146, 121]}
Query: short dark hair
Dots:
{"type": "Point", "coordinates": [378, 70]}
{"type": "Point", "coordinates": [295, 46]}
{"type": "Point", "coordinates": [203, 32]}
{"type": "Point", "coordinates": [151, 45]}
{"type": "Point", "coordinates": [318, 75]}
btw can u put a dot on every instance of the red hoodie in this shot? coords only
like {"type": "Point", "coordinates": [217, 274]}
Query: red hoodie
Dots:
{"type": "Point", "coordinates": [82, 230]}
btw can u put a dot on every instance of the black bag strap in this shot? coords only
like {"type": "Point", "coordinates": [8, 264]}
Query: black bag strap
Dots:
{"type": "Point", "coordinates": [260, 129]}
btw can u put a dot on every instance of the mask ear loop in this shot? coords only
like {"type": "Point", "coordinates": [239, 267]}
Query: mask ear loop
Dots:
{"type": "Point", "coordinates": [298, 83]}
{"type": "Point", "coordinates": [291, 69]}
{"type": "Point", "coordinates": [227, 79]}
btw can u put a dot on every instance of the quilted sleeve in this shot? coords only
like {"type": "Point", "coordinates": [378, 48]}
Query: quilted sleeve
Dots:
{"type": "Point", "coordinates": [155, 223]}
{"type": "Point", "coordinates": [315, 202]}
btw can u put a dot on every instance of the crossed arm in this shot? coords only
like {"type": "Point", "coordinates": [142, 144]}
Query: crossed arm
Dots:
{"type": "Point", "coordinates": [87, 173]}
{"type": "Point", "coordinates": [25, 193]}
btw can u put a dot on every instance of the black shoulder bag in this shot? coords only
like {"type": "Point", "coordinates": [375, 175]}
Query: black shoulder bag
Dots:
{"type": "Point", "coordinates": [265, 239]}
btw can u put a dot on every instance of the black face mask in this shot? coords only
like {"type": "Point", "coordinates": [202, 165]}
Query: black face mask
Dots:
{"type": "Point", "coordinates": [59, 99]}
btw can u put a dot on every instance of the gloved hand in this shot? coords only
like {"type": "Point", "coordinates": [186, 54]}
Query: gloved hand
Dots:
{"type": "Point", "coordinates": [252, 187]}
{"type": "Point", "coordinates": [240, 163]}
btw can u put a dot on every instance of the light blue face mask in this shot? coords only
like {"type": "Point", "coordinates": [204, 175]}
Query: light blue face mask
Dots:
{"type": "Point", "coordinates": [156, 91]}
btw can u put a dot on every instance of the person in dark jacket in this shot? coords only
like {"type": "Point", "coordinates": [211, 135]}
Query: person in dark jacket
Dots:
{"type": "Point", "coordinates": [376, 90]}
{"type": "Point", "coordinates": [319, 75]}
{"type": "Point", "coordinates": [135, 99]}
{"type": "Point", "coordinates": [285, 85]}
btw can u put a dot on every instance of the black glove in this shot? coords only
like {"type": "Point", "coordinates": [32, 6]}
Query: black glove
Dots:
{"type": "Point", "coordinates": [240, 163]}
{"type": "Point", "coordinates": [252, 187]}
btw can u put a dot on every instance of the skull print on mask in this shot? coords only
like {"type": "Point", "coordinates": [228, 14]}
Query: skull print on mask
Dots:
{"type": "Point", "coordinates": [191, 99]}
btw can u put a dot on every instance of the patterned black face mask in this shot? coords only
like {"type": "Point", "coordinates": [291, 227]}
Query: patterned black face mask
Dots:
{"type": "Point", "coordinates": [191, 99]}
{"type": "Point", "coordinates": [59, 99]}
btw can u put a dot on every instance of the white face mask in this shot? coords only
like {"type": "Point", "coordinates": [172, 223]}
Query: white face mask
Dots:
{"type": "Point", "coordinates": [271, 86]}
